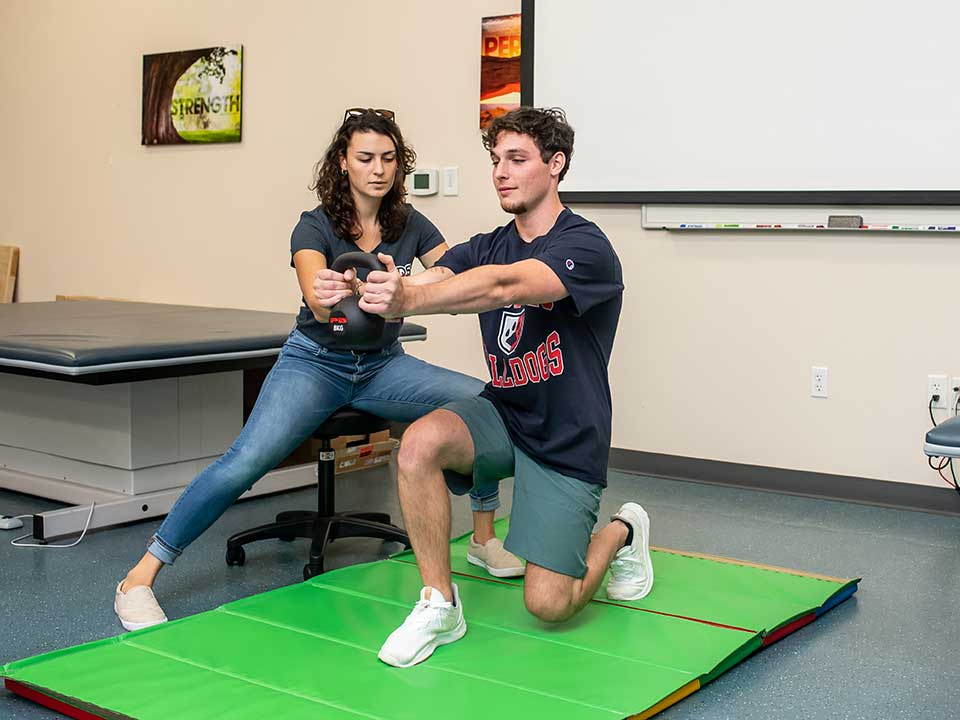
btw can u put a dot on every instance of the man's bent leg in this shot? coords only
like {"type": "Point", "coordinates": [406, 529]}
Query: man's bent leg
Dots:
{"type": "Point", "coordinates": [436, 442]}
{"type": "Point", "coordinates": [554, 597]}
{"type": "Point", "coordinates": [553, 517]}
{"type": "Point", "coordinates": [469, 439]}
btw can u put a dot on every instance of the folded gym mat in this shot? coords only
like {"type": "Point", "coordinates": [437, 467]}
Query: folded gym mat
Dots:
{"type": "Point", "coordinates": [309, 650]}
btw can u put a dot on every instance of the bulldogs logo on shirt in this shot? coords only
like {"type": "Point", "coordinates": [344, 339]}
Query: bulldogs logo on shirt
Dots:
{"type": "Point", "coordinates": [511, 329]}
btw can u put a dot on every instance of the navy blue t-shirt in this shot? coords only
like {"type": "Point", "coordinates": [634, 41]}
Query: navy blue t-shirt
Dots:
{"type": "Point", "coordinates": [314, 232]}
{"type": "Point", "coordinates": [548, 363]}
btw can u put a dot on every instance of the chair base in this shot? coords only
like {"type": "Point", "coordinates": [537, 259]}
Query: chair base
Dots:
{"type": "Point", "coordinates": [322, 530]}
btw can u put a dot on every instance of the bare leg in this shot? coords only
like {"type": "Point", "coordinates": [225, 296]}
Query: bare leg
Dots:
{"type": "Point", "coordinates": [483, 526]}
{"type": "Point", "coordinates": [434, 442]}
{"type": "Point", "coordinates": [554, 597]}
{"type": "Point", "coordinates": [143, 573]}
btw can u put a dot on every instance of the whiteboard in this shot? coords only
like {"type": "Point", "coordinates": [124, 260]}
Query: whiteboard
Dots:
{"type": "Point", "coordinates": [854, 98]}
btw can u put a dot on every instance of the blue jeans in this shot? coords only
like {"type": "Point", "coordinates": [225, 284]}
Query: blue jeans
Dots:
{"type": "Point", "coordinates": [306, 385]}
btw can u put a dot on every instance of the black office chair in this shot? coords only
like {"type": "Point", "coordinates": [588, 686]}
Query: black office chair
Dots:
{"type": "Point", "coordinates": [326, 524]}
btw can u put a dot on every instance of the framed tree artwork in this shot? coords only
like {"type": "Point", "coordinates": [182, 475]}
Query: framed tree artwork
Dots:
{"type": "Point", "coordinates": [192, 96]}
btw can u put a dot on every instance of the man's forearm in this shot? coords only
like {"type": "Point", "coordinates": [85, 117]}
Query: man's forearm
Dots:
{"type": "Point", "coordinates": [428, 277]}
{"type": "Point", "coordinates": [474, 291]}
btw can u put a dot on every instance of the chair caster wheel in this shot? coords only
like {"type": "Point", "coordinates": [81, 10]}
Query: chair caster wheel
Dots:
{"type": "Point", "coordinates": [310, 571]}
{"type": "Point", "coordinates": [236, 555]}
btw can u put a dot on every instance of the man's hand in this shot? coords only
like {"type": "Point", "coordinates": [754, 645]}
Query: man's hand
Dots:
{"type": "Point", "coordinates": [331, 287]}
{"type": "Point", "coordinates": [383, 293]}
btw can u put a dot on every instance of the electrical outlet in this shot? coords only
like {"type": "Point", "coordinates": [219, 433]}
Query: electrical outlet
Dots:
{"type": "Point", "coordinates": [937, 385]}
{"type": "Point", "coordinates": [818, 381]}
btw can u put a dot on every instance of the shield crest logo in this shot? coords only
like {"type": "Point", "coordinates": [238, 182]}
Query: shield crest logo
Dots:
{"type": "Point", "coordinates": [511, 328]}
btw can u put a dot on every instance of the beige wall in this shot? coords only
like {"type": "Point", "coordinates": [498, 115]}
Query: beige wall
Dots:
{"type": "Point", "coordinates": [718, 332]}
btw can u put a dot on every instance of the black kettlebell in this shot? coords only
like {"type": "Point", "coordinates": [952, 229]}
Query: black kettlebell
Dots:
{"type": "Point", "coordinates": [351, 327]}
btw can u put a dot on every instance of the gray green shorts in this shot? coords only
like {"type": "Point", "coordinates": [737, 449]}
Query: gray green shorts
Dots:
{"type": "Point", "coordinates": [552, 516]}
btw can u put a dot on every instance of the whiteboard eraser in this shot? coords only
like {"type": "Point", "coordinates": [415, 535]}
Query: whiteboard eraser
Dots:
{"type": "Point", "coordinates": [844, 221]}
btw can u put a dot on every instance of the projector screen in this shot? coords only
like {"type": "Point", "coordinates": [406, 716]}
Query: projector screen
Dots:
{"type": "Point", "coordinates": [743, 101]}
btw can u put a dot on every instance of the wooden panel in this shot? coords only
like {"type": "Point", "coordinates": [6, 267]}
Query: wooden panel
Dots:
{"type": "Point", "coordinates": [9, 260]}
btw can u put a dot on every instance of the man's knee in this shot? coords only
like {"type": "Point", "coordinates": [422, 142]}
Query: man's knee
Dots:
{"type": "Point", "coordinates": [549, 609]}
{"type": "Point", "coordinates": [436, 440]}
{"type": "Point", "coordinates": [550, 598]}
{"type": "Point", "coordinates": [420, 444]}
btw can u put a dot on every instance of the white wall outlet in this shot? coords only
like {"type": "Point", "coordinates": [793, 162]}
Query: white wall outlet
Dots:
{"type": "Point", "coordinates": [937, 385]}
{"type": "Point", "coordinates": [819, 378]}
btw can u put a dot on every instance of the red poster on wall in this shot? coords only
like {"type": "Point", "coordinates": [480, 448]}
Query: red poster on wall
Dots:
{"type": "Point", "coordinates": [499, 66]}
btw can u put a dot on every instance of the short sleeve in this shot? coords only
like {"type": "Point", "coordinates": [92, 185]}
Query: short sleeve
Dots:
{"type": "Point", "coordinates": [309, 234]}
{"type": "Point", "coordinates": [586, 264]}
{"type": "Point", "coordinates": [428, 236]}
{"type": "Point", "coordinates": [462, 257]}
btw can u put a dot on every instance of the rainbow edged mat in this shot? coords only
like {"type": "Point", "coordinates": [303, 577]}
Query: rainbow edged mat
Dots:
{"type": "Point", "coordinates": [310, 650]}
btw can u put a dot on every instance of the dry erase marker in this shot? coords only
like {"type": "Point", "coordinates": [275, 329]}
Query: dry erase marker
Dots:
{"type": "Point", "coordinates": [946, 227]}
{"type": "Point", "coordinates": [688, 226]}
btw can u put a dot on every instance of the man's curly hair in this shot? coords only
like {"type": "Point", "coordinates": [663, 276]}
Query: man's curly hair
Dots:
{"type": "Point", "coordinates": [548, 127]}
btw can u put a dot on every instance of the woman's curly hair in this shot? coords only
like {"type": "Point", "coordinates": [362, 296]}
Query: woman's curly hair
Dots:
{"type": "Point", "coordinates": [333, 187]}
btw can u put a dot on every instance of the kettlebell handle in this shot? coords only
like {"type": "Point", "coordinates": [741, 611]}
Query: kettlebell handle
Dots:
{"type": "Point", "coordinates": [357, 260]}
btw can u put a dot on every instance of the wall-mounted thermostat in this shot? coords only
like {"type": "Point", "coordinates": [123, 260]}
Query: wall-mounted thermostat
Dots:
{"type": "Point", "coordinates": [424, 182]}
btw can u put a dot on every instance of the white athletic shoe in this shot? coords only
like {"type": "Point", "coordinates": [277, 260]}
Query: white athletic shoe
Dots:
{"type": "Point", "coordinates": [433, 622]}
{"type": "Point", "coordinates": [494, 558]}
{"type": "Point", "coordinates": [631, 572]}
{"type": "Point", "coordinates": [137, 608]}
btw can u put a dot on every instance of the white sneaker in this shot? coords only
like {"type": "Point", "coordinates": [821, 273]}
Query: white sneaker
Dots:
{"type": "Point", "coordinates": [631, 572]}
{"type": "Point", "coordinates": [137, 608]}
{"type": "Point", "coordinates": [494, 558]}
{"type": "Point", "coordinates": [433, 622]}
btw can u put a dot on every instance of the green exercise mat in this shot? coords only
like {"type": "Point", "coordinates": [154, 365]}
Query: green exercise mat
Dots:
{"type": "Point", "coordinates": [310, 650]}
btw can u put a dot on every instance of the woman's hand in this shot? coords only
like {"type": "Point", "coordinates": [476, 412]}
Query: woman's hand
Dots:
{"type": "Point", "coordinates": [330, 287]}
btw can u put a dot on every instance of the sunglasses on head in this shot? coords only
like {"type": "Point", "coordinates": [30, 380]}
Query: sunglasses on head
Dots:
{"type": "Point", "coordinates": [356, 112]}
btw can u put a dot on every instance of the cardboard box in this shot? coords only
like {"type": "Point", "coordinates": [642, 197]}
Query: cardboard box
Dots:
{"type": "Point", "coordinates": [367, 455]}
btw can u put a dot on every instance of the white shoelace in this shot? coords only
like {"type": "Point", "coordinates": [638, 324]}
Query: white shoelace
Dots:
{"type": "Point", "coordinates": [629, 564]}
{"type": "Point", "coordinates": [421, 615]}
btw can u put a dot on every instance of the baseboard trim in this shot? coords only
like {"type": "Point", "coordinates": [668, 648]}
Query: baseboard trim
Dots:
{"type": "Point", "coordinates": [904, 496]}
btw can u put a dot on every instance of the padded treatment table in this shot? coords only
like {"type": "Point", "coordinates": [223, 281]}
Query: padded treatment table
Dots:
{"type": "Point", "coordinates": [122, 403]}
{"type": "Point", "coordinates": [944, 440]}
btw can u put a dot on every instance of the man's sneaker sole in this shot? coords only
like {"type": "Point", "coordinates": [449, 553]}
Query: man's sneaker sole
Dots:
{"type": "Point", "coordinates": [496, 572]}
{"type": "Point", "coordinates": [631, 591]}
{"type": "Point", "coordinates": [443, 639]}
